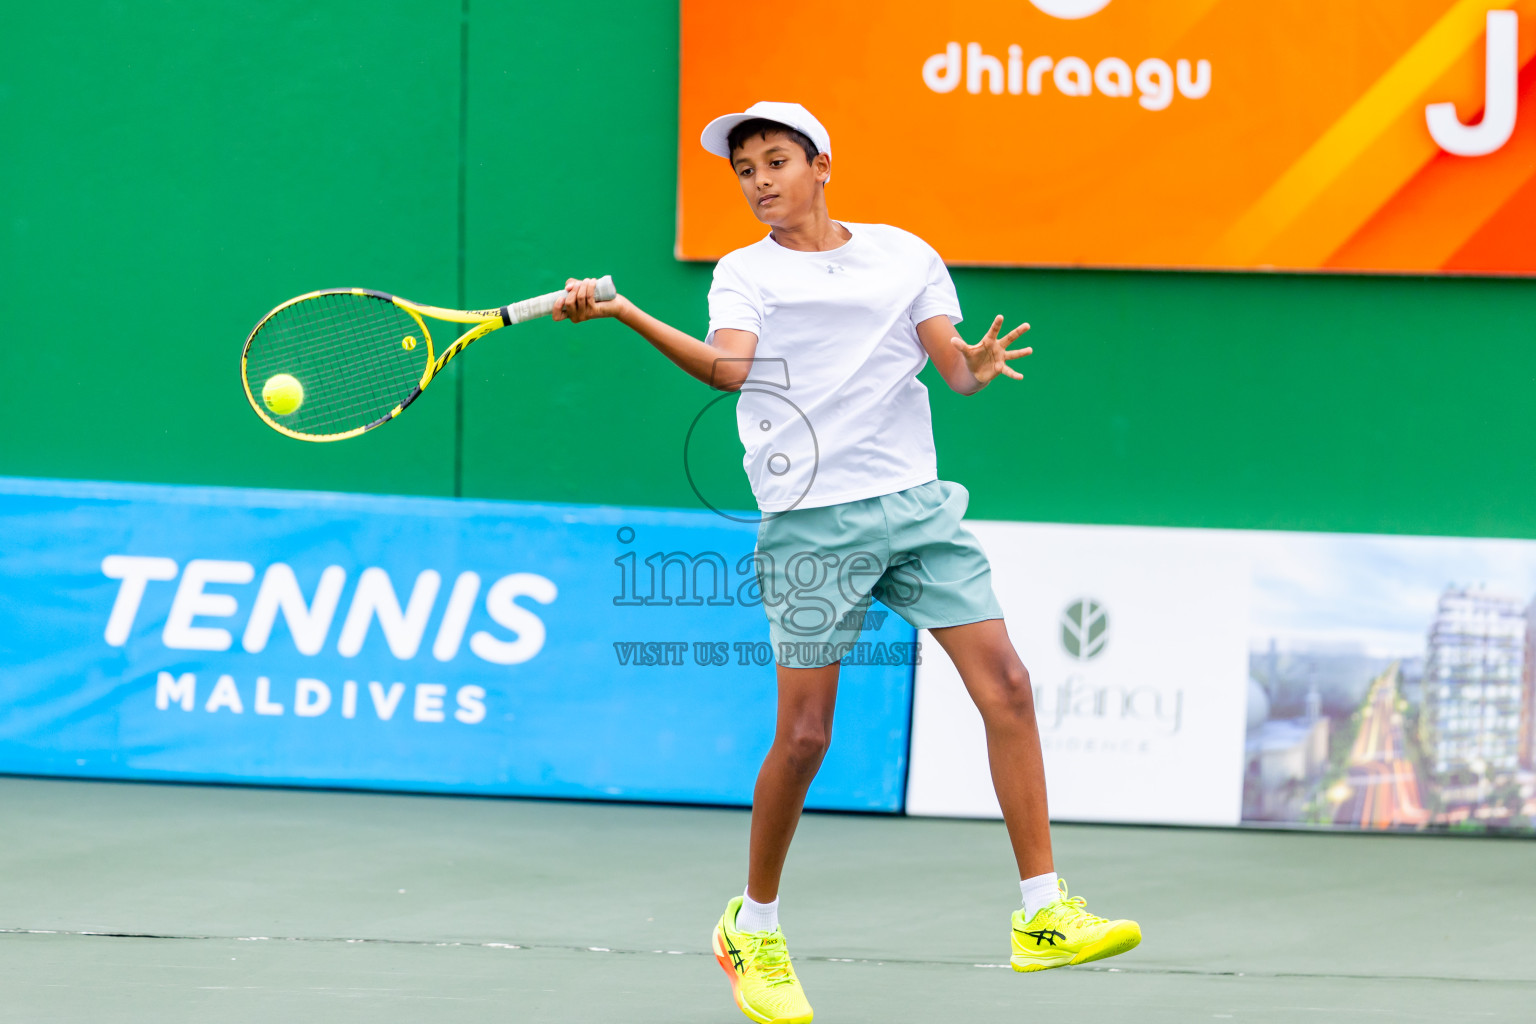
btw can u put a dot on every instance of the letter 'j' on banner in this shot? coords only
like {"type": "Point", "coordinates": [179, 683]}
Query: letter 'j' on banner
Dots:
{"type": "Point", "coordinates": [1376, 135]}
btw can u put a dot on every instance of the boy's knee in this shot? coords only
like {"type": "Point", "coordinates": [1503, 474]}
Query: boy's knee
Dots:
{"type": "Point", "coordinates": [806, 746]}
{"type": "Point", "coordinates": [1010, 694]}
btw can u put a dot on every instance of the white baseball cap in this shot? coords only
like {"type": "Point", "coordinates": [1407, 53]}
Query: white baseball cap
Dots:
{"type": "Point", "coordinates": [716, 134]}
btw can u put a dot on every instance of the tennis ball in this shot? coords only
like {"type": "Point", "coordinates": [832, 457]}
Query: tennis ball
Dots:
{"type": "Point", "coordinates": [283, 394]}
{"type": "Point", "coordinates": [408, 343]}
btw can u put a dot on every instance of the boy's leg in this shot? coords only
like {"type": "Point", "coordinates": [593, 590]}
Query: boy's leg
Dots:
{"type": "Point", "coordinates": [999, 684]}
{"type": "Point", "coordinates": [754, 955]}
{"type": "Point", "coordinates": [1061, 931]}
{"type": "Point", "coordinates": [801, 737]}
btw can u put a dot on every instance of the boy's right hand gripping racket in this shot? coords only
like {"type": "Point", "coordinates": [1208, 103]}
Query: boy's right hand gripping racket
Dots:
{"type": "Point", "coordinates": [332, 364]}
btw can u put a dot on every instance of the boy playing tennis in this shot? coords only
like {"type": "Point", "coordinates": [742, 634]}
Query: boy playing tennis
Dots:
{"type": "Point", "coordinates": [838, 319]}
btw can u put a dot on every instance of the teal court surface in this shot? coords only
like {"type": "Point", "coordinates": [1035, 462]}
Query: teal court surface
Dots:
{"type": "Point", "coordinates": [169, 903]}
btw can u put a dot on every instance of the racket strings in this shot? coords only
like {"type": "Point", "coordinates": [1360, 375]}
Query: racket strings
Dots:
{"type": "Point", "coordinates": [347, 353]}
{"type": "Point", "coordinates": [371, 385]}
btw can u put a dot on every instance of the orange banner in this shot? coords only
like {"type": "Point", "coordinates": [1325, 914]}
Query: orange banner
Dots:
{"type": "Point", "coordinates": [1377, 135]}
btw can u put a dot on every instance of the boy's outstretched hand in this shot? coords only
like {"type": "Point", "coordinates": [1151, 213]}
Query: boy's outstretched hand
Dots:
{"type": "Point", "coordinates": [580, 302]}
{"type": "Point", "coordinates": [989, 357]}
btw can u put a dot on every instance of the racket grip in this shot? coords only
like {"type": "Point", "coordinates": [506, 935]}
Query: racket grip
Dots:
{"type": "Point", "coordinates": [543, 305]}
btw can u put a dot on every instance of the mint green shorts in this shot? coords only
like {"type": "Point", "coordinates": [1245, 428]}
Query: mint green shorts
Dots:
{"type": "Point", "coordinates": [819, 569]}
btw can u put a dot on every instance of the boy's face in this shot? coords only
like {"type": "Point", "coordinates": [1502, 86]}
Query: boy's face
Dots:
{"type": "Point", "coordinates": [779, 184]}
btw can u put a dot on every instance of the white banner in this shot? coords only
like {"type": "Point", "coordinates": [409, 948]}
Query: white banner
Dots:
{"type": "Point", "coordinates": [1216, 676]}
{"type": "Point", "coordinates": [1136, 640]}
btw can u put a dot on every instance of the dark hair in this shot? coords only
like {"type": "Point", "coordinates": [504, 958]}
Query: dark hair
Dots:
{"type": "Point", "coordinates": [762, 126]}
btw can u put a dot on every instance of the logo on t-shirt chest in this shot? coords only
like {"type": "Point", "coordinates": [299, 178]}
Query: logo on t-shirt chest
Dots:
{"type": "Point", "coordinates": [854, 289]}
{"type": "Point", "coordinates": [832, 299]}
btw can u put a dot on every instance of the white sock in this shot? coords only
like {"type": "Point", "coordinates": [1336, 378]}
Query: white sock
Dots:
{"type": "Point", "coordinates": [757, 917]}
{"type": "Point", "coordinates": [1038, 892]}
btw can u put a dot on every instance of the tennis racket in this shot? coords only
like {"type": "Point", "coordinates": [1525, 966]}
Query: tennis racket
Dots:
{"type": "Point", "coordinates": [332, 364]}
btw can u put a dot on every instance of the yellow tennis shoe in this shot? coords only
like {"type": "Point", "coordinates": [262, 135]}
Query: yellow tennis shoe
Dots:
{"type": "Point", "coordinates": [762, 978]}
{"type": "Point", "coordinates": [1063, 933]}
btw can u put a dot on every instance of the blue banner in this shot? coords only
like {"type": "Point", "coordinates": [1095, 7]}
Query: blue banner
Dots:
{"type": "Point", "coordinates": [212, 634]}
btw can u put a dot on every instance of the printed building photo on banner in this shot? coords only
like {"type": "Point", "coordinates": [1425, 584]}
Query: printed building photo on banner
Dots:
{"type": "Point", "coordinates": [1391, 683]}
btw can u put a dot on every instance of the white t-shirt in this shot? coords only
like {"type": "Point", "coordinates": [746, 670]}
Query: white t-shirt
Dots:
{"type": "Point", "coordinates": [832, 410]}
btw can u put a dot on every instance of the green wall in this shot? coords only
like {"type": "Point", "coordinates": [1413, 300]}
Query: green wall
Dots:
{"type": "Point", "coordinates": [175, 169]}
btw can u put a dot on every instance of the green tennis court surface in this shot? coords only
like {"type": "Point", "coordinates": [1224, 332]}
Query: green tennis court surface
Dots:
{"type": "Point", "coordinates": [229, 905]}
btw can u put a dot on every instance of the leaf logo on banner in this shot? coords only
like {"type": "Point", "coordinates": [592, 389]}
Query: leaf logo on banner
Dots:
{"type": "Point", "coordinates": [1084, 629]}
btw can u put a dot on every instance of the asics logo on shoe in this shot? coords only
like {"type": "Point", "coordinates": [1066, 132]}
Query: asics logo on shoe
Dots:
{"type": "Point", "coordinates": [736, 957]}
{"type": "Point", "coordinates": [1046, 935]}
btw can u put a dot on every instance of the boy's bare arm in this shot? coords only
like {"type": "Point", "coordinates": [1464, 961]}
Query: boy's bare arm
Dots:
{"type": "Point", "coordinates": [969, 368]}
{"type": "Point", "coordinates": [723, 365]}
